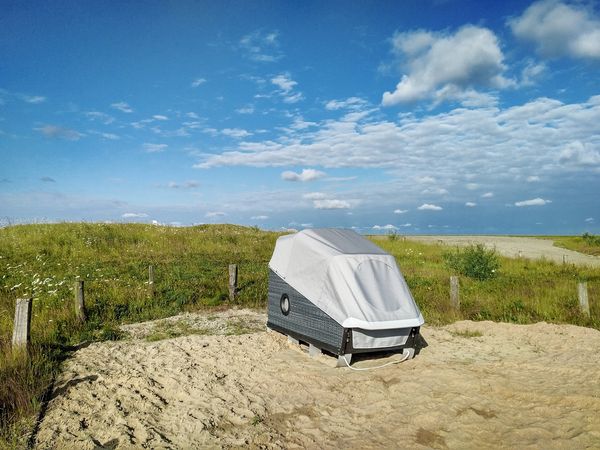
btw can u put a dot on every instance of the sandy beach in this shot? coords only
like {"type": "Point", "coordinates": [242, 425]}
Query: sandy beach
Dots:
{"type": "Point", "coordinates": [475, 385]}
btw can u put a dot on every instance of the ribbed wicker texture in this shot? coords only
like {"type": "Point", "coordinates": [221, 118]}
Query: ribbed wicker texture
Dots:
{"type": "Point", "coordinates": [304, 319]}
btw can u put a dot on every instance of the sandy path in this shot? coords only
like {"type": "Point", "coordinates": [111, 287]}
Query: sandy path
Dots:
{"type": "Point", "coordinates": [511, 246]}
{"type": "Point", "coordinates": [533, 386]}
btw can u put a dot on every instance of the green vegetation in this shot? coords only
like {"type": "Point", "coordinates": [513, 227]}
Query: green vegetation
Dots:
{"type": "Point", "coordinates": [169, 330]}
{"type": "Point", "coordinates": [190, 266]}
{"type": "Point", "coordinates": [43, 262]}
{"type": "Point", "coordinates": [474, 261]}
{"type": "Point", "coordinates": [466, 333]}
{"type": "Point", "coordinates": [523, 291]}
{"type": "Point", "coordinates": [586, 243]}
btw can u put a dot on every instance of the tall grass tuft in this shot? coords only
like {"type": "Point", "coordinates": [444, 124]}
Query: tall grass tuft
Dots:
{"type": "Point", "coordinates": [586, 243]}
{"type": "Point", "coordinates": [474, 261]}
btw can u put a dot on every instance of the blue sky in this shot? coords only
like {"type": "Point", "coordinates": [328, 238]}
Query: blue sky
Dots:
{"type": "Point", "coordinates": [420, 117]}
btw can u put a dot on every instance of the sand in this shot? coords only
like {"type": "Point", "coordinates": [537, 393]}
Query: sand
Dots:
{"type": "Point", "coordinates": [514, 246]}
{"type": "Point", "coordinates": [475, 385]}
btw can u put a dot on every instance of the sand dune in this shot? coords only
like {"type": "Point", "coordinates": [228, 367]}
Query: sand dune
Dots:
{"type": "Point", "coordinates": [525, 386]}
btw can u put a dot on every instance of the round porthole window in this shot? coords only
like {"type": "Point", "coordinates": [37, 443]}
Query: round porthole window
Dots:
{"type": "Point", "coordinates": [284, 304]}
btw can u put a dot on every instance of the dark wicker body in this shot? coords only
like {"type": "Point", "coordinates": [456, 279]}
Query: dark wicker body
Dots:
{"type": "Point", "coordinates": [305, 321]}
{"type": "Point", "coordinates": [308, 323]}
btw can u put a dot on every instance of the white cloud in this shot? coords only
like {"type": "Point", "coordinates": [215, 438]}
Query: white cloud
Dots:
{"type": "Point", "coordinates": [286, 88]}
{"type": "Point", "coordinates": [122, 106]}
{"type": "Point", "coordinates": [385, 227]}
{"type": "Point", "coordinates": [245, 110]}
{"type": "Point", "coordinates": [488, 147]}
{"type": "Point", "coordinates": [110, 136]}
{"type": "Point", "coordinates": [471, 204]}
{"type": "Point", "coordinates": [447, 66]}
{"type": "Point", "coordinates": [236, 133]}
{"type": "Point", "coordinates": [531, 72]}
{"type": "Point", "coordinates": [261, 46]}
{"type": "Point", "coordinates": [213, 214]}
{"type": "Point", "coordinates": [533, 178]}
{"type": "Point", "coordinates": [300, 124]}
{"type": "Point", "coordinates": [488, 195]}
{"type": "Point", "coordinates": [472, 186]}
{"type": "Point", "coordinates": [331, 204]}
{"type": "Point", "coordinates": [305, 175]}
{"type": "Point", "coordinates": [100, 116]}
{"type": "Point", "coordinates": [578, 153]}
{"type": "Point", "coordinates": [159, 117]}
{"type": "Point", "coordinates": [340, 179]}
{"type": "Point", "coordinates": [57, 132]}
{"type": "Point", "coordinates": [134, 215]}
{"type": "Point", "coordinates": [314, 196]}
{"type": "Point", "coordinates": [192, 184]}
{"type": "Point", "coordinates": [559, 29]}
{"type": "Point", "coordinates": [349, 103]}
{"type": "Point", "coordinates": [434, 191]}
{"type": "Point", "coordinates": [259, 217]}
{"type": "Point", "coordinates": [141, 123]}
{"type": "Point", "coordinates": [155, 148]}
{"type": "Point", "coordinates": [284, 82]}
{"type": "Point", "coordinates": [533, 202]}
{"type": "Point", "coordinates": [198, 82]}
{"type": "Point", "coordinates": [400, 211]}
{"type": "Point", "coordinates": [590, 220]}
{"type": "Point", "coordinates": [35, 99]}
{"type": "Point", "coordinates": [429, 207]}
{"type": "Point", "coordinates": [293, 98]}
{"type": "Point", "coordinates": [425, 179]}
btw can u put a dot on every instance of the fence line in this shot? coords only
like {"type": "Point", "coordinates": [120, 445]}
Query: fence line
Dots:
{"type": "Point", "coordinates": [80, 301]}
{"type": "Point", "coordinates": [22, 324]}
{"type": "Point", "coordinates": [233, 281]}
{"type": "Point", "coordinates": [455, 292]}
{"type": "Point", "coordinates": [23, 307]}
{"type": "Point", "coordinates": [584, 303]}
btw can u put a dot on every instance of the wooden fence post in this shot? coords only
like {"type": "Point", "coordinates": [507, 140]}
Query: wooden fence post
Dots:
{"type": "Point", "coordinates": [151, 281]}
{"type": "Point", "coordinates": [22, 324]}
{"type": "Point", "coordinates": [79, 301]}
{"type": "Point", "coordinates": [233, 280]}
{"type": "Point", "coordinates": [454, 292]}
{"type": "Point", "coordinates": [583, 299]}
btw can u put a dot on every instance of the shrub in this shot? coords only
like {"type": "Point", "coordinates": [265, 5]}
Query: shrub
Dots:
{"type": "Point", "coordinates": [474, 261]}
{"type": "Point", "coordinates": [590, 239]}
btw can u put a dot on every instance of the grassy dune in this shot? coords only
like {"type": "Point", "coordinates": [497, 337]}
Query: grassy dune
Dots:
{"type": "Point", "coordinates": [586, 243]}
{"type": "Point", "coordinates": [43, 261]}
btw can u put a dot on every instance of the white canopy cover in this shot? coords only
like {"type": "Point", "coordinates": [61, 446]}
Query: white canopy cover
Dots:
{"type": "Point", "coordinates": [347, 276]}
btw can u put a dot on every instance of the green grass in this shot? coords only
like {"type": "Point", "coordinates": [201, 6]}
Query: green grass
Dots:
{"type": "Point", "coordinates": [466, 333]}
{"type": "Point", "coordinates": [169, 330]}
{"type": "Point", "coordinates": [587, 243]}
{"type": "Point", "coordinates": [523, 291]}
{"type": "Point", "coordinates": [43, 262]}
{"type": "Point", "coordinates": [190, 265]}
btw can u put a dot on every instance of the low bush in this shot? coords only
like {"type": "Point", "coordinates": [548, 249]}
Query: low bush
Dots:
{"type": "Point", "coordinates": [590, 239]}
{"type": "Point", "coordinates": [474, 261]}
